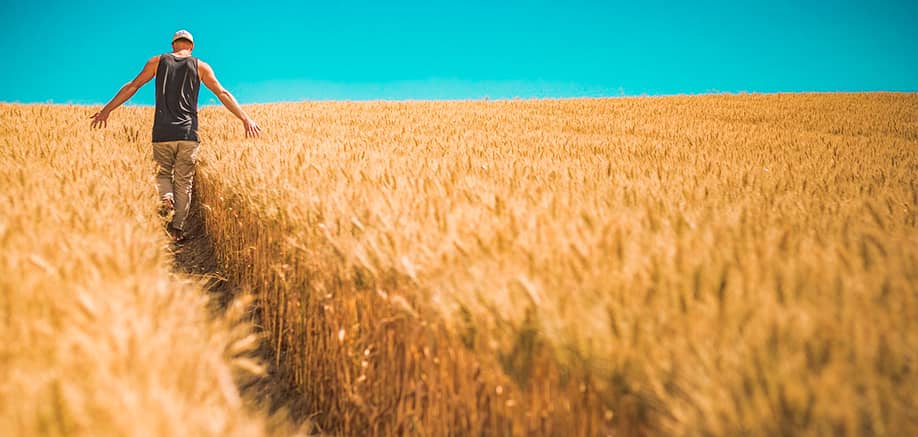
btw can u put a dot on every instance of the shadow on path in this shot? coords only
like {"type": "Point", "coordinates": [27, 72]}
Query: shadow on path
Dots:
{"type": "Point", "coordinates": [286, 406]}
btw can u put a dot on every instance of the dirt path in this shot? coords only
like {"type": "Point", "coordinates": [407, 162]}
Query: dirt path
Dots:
{"type": "Point", "coordinates": [195, 257]}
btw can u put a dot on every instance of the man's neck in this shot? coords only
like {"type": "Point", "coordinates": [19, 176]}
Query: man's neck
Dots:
{"type": "Point", "coordinates": [183, 53]}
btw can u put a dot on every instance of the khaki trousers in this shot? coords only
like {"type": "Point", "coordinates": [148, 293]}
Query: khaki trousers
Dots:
{"type": "Point", "coordinates": [177, 161]}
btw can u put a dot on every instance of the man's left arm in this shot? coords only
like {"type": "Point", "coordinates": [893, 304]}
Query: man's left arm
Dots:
{"type": "Point", "coordinates": [100, 119]}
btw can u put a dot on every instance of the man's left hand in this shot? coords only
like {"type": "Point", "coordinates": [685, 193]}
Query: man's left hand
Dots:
{"type": "Point", "coordinates": [99, 120]}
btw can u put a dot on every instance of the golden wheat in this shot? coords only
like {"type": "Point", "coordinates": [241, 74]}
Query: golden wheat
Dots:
{"type": "Point", "coordinates": [688, 265]}
{"type": "Point", "coordinates": [98, 337]}
{"type": "Point", "coordinates": [683, 265]}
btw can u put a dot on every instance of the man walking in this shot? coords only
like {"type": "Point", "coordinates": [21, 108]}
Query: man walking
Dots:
{"type": "Point", "coordinates": [175, 125]}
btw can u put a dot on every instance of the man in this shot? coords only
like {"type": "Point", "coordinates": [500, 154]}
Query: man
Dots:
{"type": "Point", "coordinates": [175, 125]}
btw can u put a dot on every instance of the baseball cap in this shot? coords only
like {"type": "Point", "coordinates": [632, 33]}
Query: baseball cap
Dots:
{"type": "Point", "coordinates": [183, 34]}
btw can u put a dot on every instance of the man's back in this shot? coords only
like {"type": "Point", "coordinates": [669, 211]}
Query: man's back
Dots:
{"type": "Point", "coordinates": [177, 87]}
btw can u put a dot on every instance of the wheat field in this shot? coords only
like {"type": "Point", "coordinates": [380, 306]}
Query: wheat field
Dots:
{"type": "Point", "coordinates": [685, 265]}
{"type": "Point", "coordinates": [97, 335]}
{"type": "Point", "coordinates": [697, 265]}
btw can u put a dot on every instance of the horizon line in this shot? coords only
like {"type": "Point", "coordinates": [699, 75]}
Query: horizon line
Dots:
{"type": "Point", "coordinates": [487, 99]}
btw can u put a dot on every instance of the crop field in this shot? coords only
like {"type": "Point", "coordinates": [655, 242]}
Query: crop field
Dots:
{"type": "Point", "coordinates": [97, 336]}
{"type": "Point", "coordinates": [697, 265]}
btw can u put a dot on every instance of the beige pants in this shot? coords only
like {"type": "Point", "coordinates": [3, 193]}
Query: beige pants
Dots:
{"type": "Point", "coordinates": [176, 161]}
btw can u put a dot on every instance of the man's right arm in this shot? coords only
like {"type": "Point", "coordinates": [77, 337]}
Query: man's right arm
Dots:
{"type": "Point", "coordinates": [210, 81]}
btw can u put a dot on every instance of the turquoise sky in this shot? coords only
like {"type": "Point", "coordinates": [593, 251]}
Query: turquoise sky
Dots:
{"type": "Point", "coordinates": [82, 51]}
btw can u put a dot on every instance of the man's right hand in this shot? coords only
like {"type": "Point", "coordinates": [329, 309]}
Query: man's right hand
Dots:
{"type": "Point", "coordinates": [209, 79]}
{"type": "Point", "coordinates": [251, 129]}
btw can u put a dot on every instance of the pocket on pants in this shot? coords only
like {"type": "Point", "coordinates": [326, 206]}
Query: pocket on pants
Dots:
{"type": "Point", "coordinates": [162, 154]}
{"type": "Point", "coordinates": [188, 151]}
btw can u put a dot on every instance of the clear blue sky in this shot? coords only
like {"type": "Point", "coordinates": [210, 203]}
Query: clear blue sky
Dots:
{"type": "Point", "coordinates": [83, 51]}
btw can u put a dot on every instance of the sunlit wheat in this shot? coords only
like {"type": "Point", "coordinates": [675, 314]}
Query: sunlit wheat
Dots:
{"type": "Point", "coordinates": [98, 337]}
{"type": "Point", "coordinates": [714, 265]}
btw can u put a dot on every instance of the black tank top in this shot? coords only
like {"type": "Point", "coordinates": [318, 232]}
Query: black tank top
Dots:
{"type": "Point", "coordinates": [177, 85]}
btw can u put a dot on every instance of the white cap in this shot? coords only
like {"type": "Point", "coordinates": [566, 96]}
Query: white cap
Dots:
{"type": "Point", "coordinates": [183, 34]}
